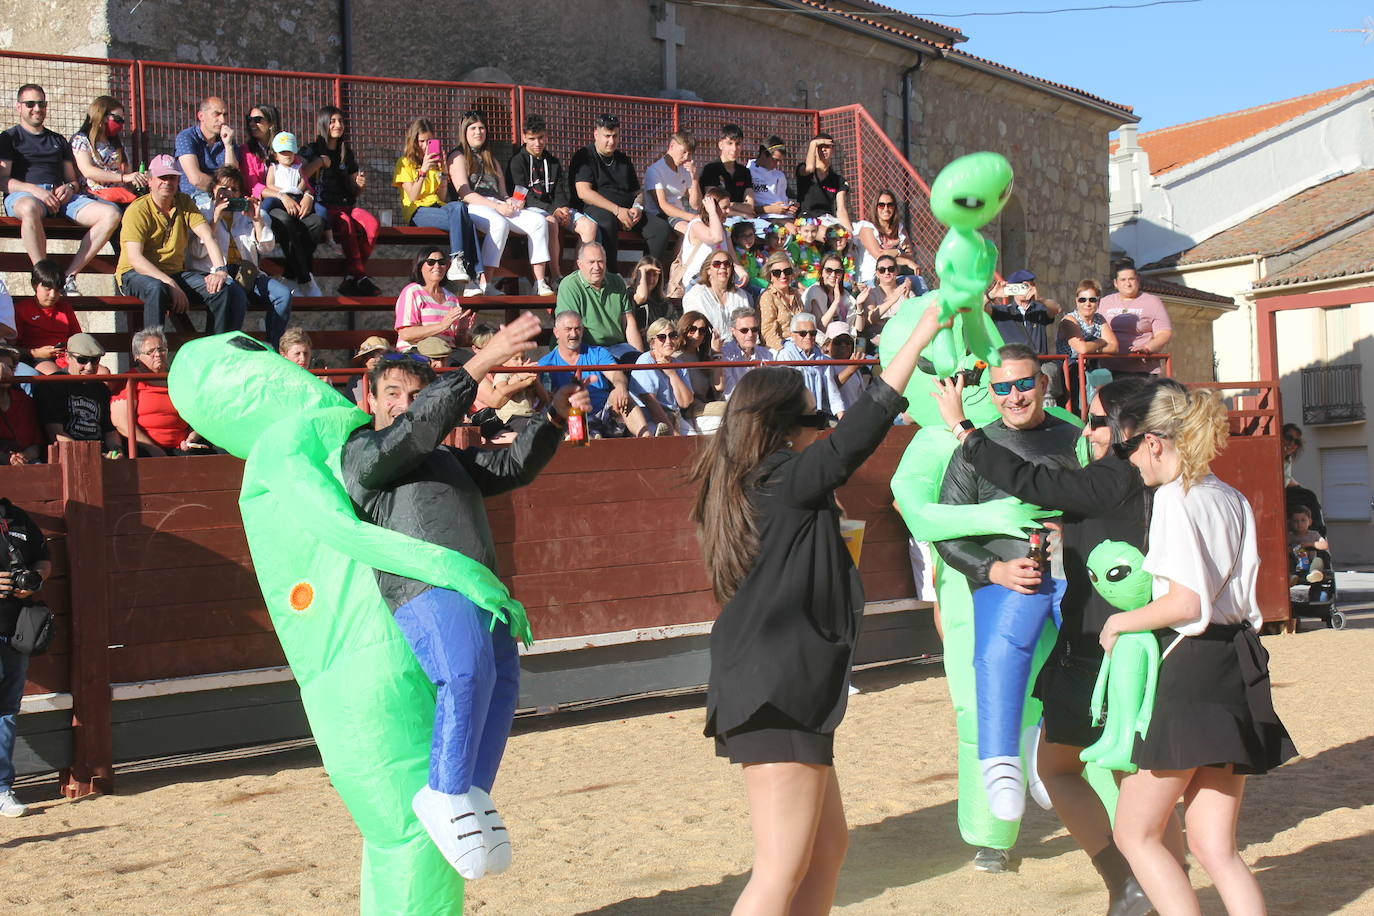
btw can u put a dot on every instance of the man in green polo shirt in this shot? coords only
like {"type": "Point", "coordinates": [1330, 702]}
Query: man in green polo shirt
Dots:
{"type": "Point", "coordinates": [599, 296]}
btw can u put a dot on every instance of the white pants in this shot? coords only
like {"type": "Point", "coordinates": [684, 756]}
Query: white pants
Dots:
{"type": "Point", "coordinates": [496, 228]}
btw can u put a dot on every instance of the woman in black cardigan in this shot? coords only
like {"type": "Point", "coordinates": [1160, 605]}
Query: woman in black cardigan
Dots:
{"type": "Point", "coordinates": [782, 647]}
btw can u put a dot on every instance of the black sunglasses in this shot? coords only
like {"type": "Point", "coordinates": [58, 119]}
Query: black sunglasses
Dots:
{"type": "Point", "coordinates": [474, 113]}
{"type": "Point", "coordinates": [408, 354]}
{"type": "Point", "coordinates": [889, 269]}
{"type": "Point", "coordinates": [86, 360]}
{"type": "Point", "coordinates": [832, 270]}
{"type": "Point", "coordinates": [749, 330]}
{"type": "Point", "coordinates": [1026, 383]}
{"type": "Point", "coordinates": [256, 119]}
{"type": "Point", "coordinates": [434, 262]}
{"type": "Point", "coordinates": [1098, 421]}
{"type": "Point", "coordinates": [818, 420]}
{"type": "Point", "coordinates": [810, 333]}
{"type": "Point", "coordinates": [697, 329]}
{"type": "Point", "coordinates": [784, 272]}
{"type": "Point", "coordinates": [661, 338]}
{"type": "Point", "coordinates": [34, 103]}
{"type": "Point", "coordinates": [888, 203]}
{"type": "Point", "coordinates": [1125, 450]}
{"type": "Point", "coordinates": [1087, 298]}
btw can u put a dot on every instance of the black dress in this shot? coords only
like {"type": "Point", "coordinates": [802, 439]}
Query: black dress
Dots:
{"type": "Point", "coordinates": [782, 647]}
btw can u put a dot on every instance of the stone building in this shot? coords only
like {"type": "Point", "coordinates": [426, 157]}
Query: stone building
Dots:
{"type": "Point", "coordinates": [933, 100]}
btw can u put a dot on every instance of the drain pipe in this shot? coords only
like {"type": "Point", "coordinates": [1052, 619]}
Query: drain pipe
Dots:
{"type": "Point", "coordinates": [906, 104]}
{"type": "Point", "coordinates": [346, 36]}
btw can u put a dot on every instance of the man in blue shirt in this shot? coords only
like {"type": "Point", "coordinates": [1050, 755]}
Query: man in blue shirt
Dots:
{"type": "Point", "coordinates": [204, 147]}
{"type": "Point", "coordinates": [1026, 319]}
{"type": "Point", "coordinates": [612, 403]}
{"type": "Point", "coordinates": [801, 345]}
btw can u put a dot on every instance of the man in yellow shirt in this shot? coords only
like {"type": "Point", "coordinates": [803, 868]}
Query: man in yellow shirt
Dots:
{"type": "Point", "coordinates": [152, 256]}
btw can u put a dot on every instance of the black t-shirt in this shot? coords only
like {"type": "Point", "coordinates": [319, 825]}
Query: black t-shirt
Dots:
{"type": "Point", "coordinates": [30, 548]}
{"type": "Point", "coordinates": [36, 158]}
{"type": "Point", "coordinates": [714, 175]}
{"type": "Point", "coordinates": [82, 408]}
{"type": "Point", "coordinates": [334, 181]}
{"type": "Point", "coordinates": [816, 195]}
{"type": "Point", "coordinates": [614, 180]}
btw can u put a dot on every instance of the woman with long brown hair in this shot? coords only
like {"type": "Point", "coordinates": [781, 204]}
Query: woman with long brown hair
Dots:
{"type": "Point", "coordinates": [100, 154]}
{"type": "Point", "coordinates": [419, 177]}
{"type": "Point", "coordinates": [882, 234]}
{"type": "Point", "coordinates": [782, 647]}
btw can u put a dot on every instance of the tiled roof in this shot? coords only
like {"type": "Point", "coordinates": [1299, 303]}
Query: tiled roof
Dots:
{"type": "Point", "coordinates": [955, 34]}
{"type": "Point", "coordinates": [1297, 221]}
{"type": "Point", "coordinates": [1179, 291]}
{"type": "Point", "coordinates": [1347, 257]}
{"type": "Point", "coordinates": [1172, 147]}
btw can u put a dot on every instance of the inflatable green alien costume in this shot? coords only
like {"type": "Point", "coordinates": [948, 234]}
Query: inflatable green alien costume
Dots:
{"type": "Point", "coordinates": [371, 707]}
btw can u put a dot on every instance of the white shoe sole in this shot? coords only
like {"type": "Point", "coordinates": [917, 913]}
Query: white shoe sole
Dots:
{"type": "Point", "coordinates": [494, 833]}
{"type": "Point", "coordinates": [453, 824]}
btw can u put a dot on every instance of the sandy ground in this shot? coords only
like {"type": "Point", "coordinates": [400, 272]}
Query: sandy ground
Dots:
{"type": "Point", "coordinates": [624, 811]}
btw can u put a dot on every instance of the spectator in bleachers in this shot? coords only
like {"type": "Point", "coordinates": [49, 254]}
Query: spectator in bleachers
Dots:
{"type": "Point", "coordinates": [1140, 320]}
{"type": "Point", "coordinates": [100, 155]}
{"type": "Point", "coordinates": [20, 435]}
{"type": "Point", "coordinates": [419, 175]}
{"type": "Point", "coordinates": [839, 345]}
{"type": "Point", "coordinates": [830, 299]}
{"type": "Point", "coordinates": [646, 288]}
{"type": "Point", "coordinates": [606, 186]}
{"type": "Point", "coordinates": [369, 351]}
{"type": "Point", "coordinates": [340, 182]}
{"type": "Point", "coordinates": [801, 345]}
{"type": "Point", "coordinates": [699, 345]}
{"type": "Point", "coordinates": [46, 323]}
{"type": "Point", "coordinates": [152, 259]}
{"type": "Point", "coordinates": [599, 297]}
{"type": "Point", "coordinates": [671, 196]}
{"type": "Point", "coordinates": [780, 301]}
{"type": "Point", "coordinates": [296, 347]}
{"type": "Point", "coordinates": [436, 350]}
{"type": "Point", "coordinates": [664, 390]}
{"type": "Point", "coordinates": [715, 294]}
{"type": "Point", "coordinates": [158, 429]}
{"type": "Point", "coordinates": [705, 235]}
{"type": "Point", "coordinates": [749, 255]}
{"type": "Point", "coordinates": [882, 234]}
{"type": "Point", "coordinates": [516, 397]}
{"type": "Point", "coordinates": [613, 407]}
{"type": "Point", "coordinates": [203, 147]}
{"type": "Point", "coordinates": [425, 309]}
{"type": "Point", "coordinates": [246, 235]}
{"type": "Point", "coordinates": [79, 411]}
{"type": "Point", "coordinates": [298, 228]}
{"type": "Point", "coordinates": [821, 191]}
{"type": "Point", "coordinates": [7, 319]}
{"type": "Point", "coordinates": [39, 179]}
{"type": "Point", "coordinates": [256, 153]}
{"type": "Point", "coordinates": [886, 296]}
{"type": "Point", "coordinates": [730, 174]}
{"type": "Point", "coordinates": [1022, 317]}
{"type": "Point", "coordinates": [541, 174]}
{"type": "Point", "coordinates": [1084, 332]}
{"type": "Point", "coordinates": [771, 195]}
{"type": "Point", "coordinates": [743, 345]}
{"type": "Point", "coordinates": [480, 183]}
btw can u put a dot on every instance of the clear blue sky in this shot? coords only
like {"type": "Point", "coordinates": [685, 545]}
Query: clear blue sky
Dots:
{"type": "Point", "coordinates": [1173, 63]}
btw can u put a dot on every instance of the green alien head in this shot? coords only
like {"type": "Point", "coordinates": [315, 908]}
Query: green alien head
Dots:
{"type": "Point", "coordinates": [1117, 571]}
{"type": "Point", "coordinates": [231, 387]}
{"type": "Point", "coordinates": [970, 191]}
{"type": "Point", "coordinates": [922, 408]}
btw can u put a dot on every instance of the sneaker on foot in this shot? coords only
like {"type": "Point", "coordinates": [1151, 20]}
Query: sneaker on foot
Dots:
{"type": "Point", "coordinates": [70, 288]}
{"type": "Point", "coordinates": [993, 861]}
{"type": "Point", "coordinates": [542, 288]}
{"type": "Point", "coordinates": [457, 272]}
{"type": "Point", "coordinates": [1315, 576]}
{"type": "Point", "coordinates": [11, 806]}
{"type": "Point", "coordinates": [349, 287]}
{"type": "Point", "coordinates": [471, 290]}
{"type": "Point", "coordinates": [662, 430]}
{"type": "Point", "coordinates": [366, 287]}
{"type": "Point", "coordinates": [494, 834]}
{"type": "Point", "coordinates": [452, 823]}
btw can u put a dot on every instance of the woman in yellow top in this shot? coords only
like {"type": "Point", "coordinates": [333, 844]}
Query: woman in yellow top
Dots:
{"type": "Point", "coordinates": [424, 202]}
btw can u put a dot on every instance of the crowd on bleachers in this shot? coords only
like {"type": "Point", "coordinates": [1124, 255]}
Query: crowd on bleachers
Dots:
{"type": "Point", "coordinates": [745, 259]}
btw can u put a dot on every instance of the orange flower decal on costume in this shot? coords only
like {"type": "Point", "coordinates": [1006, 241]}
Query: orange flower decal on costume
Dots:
{"type": "Point", "coordinates": [302, 595]}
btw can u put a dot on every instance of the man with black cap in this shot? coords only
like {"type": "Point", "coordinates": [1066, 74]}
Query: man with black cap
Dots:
{"type": "Point", "coordinates": [79, 411]}
{"type": "Point", "coordinates": [770, 181]}
{"type": "Point", "coordinates": [1022, 317]}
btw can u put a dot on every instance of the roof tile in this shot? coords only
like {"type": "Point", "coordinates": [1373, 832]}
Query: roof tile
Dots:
{"type": "Point", "coordinates": [1347, 257]}
{"type": "Point", "coordinates": [1179, 291]}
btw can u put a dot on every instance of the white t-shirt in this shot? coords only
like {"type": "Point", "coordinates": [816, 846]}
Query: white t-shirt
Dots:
{"type": "Point", "coordinates": [1205, 540]}
{"type": "Point", "coordinates": [700, 299]}
{"type": "Point", "coordinates": [815, 302]}
{"type": "Point", "coordinates": [770, 185]}
{"type": "Point", "coordinates": [675, 184]}
{"type": "Point", "coordinates": [694, 254]}
{"type": "Point", "coordinates": [868, 262]}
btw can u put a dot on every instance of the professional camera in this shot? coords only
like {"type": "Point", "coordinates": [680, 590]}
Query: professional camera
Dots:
{"type": "Point", "coordinates": [26, 580]}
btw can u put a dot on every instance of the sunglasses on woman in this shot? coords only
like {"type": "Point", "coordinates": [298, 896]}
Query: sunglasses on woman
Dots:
{"type": "Point", "coordinates": [817, 420]}
{"type": "Point", "coordinates": [887, 205]}
{"type": "Point", "coordinates": [832, 270]}
{"type": "Point", "coordinates": [785, 272]}
{"type": "Point", "coordinates": [1027, 383]}
{"type": "Point", "coordinates": [664, 338]}
{"type": "Point", "coordinates": [1098, 421]}
{"type": "Point", "coordinates": [434, 262]}
{"type": "Point", "coordinates": [720, 263]}
{"type": "Point", "coordinates": [1087, 298]}
{"type": "Point", "coordinates": [887, 269]}
{"type": "Point", "coordinates": [1125, 450]}
{"type": "Point", "coordinates": [256, 119]}
{"type": "Point", "coordinates": [697, 329]}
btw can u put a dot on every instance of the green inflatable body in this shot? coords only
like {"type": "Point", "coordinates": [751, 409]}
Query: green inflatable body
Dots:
{"type": "Point", "coordinates": [1129, 675]}
{"type": "Point", "coordinates": [370, 706]}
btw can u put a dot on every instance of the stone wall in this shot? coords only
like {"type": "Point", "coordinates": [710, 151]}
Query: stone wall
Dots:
{"type": "Point", "coordinates": [289, 35]}
{"type": "Point", "coordinates": [1191, 346]}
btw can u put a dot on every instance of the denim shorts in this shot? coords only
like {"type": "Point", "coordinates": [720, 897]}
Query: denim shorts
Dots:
{"type": "Point", "coordinates": [69, 209]}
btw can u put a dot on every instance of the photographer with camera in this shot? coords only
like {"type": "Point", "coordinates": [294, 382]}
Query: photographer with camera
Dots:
{"type": "Point", "coordinates": [1022, 317]}
{"type": "Point", "coordinates": [22, 621]}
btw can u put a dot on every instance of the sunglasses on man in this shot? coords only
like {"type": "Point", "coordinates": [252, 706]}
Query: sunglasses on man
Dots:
{"type": "Point", "coordinates": [810, 333]}
{"type": "Point", "coordinates": [1026, 383]}
{"type": "Point", "coordinates": [86, 360]}
{"type": "Point", "coordinates": [33, 103]}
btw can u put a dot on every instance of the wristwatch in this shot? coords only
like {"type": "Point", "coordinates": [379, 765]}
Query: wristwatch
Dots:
{"type": "Point", "coordinates": [963, 426]}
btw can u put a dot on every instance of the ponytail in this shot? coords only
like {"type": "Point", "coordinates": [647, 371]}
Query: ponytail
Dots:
{"type": "Point", "coordinates": [1195, 420]}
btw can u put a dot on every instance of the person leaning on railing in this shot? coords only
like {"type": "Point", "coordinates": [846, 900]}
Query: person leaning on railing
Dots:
{"type": "Point", "coordinates": [79, 411]}
{"type": "Point", "coordinates": [1140, 320]}
{"type": "Point", "coordinates": [20, 435]}
{"type": "Point", "coordinates": [158, 429]}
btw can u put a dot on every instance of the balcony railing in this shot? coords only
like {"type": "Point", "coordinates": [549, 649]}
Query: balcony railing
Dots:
{"type": "Point", "coordinates": [1332, 394]}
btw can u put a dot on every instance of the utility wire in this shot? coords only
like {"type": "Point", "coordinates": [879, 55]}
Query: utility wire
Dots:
{"type": "Point", "coordinates": [867, 14]}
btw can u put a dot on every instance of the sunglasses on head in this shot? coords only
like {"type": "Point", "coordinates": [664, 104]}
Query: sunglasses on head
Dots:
{"type": "Point", "coordinates": [1087, 298]}
{"type": "Point", "coordinates": [1026, 383]}
{"type": "Point", "coordinates": [474, 114]}
{"type": "Point", "coordinates": [86, 360]}
{"type": "Point", "coordinates": [1098, 421]}
{"type": "Point", "coordinates": [608, 122]}
{"type": "Point", "coordinates": [34, 103]}
{"type": "Point", "coordinates": [817, 420]}
{"type": "Point", "coordinates": [663, 338]}
{"type": "Point", "coordinates": [782, 272]}
{"type": "Point", "coordinates": [434, 262]}
{"type": "Point", "coordinates": [409, 354]}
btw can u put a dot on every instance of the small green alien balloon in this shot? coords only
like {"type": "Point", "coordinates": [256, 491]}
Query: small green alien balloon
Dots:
{"type": "Point", "coordinates": [1128, 677]}
{"type": "Point", "coordinates": [967, 195]}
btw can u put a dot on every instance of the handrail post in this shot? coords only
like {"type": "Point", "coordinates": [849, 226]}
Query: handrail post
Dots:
{"type": "Point", "coordinates": [130, 429]}
{"type": "Point", "coordinates": [83, 508]}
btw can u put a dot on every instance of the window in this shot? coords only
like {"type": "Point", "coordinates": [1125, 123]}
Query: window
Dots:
{"type": "Point", "coordinates": [1345, 484]}
{"type": "Point", "coordinates": [1339, 334]}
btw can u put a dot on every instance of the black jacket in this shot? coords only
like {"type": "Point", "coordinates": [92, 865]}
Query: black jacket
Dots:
{"type": "Point", "coordinates": [543, 177]}
{"type": "Point", "coordinates": [1105, 501]}
{"type": "Point", "coordinates": [30, 548]}
{"type": "Point", "coordinates": [401, 478]}
{"type": "Point", "coordinates": [786, 638]}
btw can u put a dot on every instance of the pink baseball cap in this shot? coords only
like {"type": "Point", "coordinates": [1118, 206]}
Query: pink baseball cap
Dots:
{"type": "Point", "coordinates": [162, 166]}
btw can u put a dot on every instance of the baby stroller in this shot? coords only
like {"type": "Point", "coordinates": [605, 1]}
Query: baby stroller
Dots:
{"type": "Point", "coordinates": [1307, 598]}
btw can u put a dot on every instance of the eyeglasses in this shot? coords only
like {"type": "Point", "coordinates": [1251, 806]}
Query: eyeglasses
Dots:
{"type": "Point", "coordinates": [887, 205]}
{"type": "Point", "coordinates": [783, 272]}
{"type": "Point", "coordinates": [697, 329]}
{"type": "Point", "coordinates": [154, 350]}
{"type": "Point", "coordinates": [817, 420]}
{"type": "Point", "coordinates": [753, 329]}
{"type": "Point", "coordinates": [256, 119]}
{"type": "Point", "coordinates": [832, 270]}
{"type": "Point", "coordinates": [663, 338]}
{"type": "Point", "coordinates": [86, 360]}
{"type": "Point", "coordinates": [33, 103]}
{"type": "Point", "coordinates": [888, 269]}
{"type": "Point", "coordinates": [810, 333]}
{"type": "Point", "coordinates": [1124, 450]}
{"type": "Point", "coordinates": [408, 354]}
{"type": "Point", "coordinates": [1026, 383]}
{"type": "Point", "coordinates": [1087, 298]}
{"type": "Point", "coordinates": [434, 262]}
{"type": "Point", "coordinates": [720, 263]}
{"type": "Point", "coordinates": [1098, 421]}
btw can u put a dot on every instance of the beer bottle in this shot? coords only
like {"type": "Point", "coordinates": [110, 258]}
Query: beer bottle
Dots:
{"type": "Point", "coordinates": [1038, 551]}
{"type": "Point", "coordinates": [577, 427]}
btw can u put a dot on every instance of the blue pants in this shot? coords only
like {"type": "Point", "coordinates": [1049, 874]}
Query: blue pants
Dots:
{"type": "Point", "coordinates": [477, 672]}
{"type": "Point", "coordinates": [14, 668]}
{"type": "Point", "coordinates": [227, 307]}
{"type": "Point", "coordinates": [275, 296]}
{"type": "Point", "coordinates": [453, 218]}
{"type": "Point", "coordinates": [1006, 627]}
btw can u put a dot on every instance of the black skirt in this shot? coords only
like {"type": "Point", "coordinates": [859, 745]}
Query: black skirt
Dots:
{"type": "Point", "coordinates": [1213, 706]}
{"type": "Point", "coordinates": [1065, 689]}
{"type": "Point", "coordinates": [771, 737]}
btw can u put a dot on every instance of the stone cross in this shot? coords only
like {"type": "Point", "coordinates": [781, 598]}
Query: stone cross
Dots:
{"type": "Point", "coordinates": [671, 34]}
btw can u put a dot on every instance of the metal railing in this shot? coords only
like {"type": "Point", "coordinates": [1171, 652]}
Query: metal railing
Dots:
{"type": "Point", "coordinates": [1332, 394]}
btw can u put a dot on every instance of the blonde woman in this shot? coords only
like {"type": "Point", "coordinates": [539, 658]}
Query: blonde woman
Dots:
{"type": "Point", "coordinates": [780, 301]}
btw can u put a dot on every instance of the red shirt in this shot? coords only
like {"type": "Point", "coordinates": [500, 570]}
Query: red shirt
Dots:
{"type": "Point", "coordinates": [156, 415]}
{"type": "Point", "coordinates": [40, 327]}
{"type": "Point", "coordinates": [19, 425]}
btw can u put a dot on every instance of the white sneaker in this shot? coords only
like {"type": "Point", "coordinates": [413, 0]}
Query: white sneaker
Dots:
{"type": "Point", "coordinates": [494, 834]}
{"type": "Point", "coordinates": [456, 271]}
{"type": "Point", "coordinates": [542, 288]}
{"type": "Point", "coordinates": [452, 823]}
{"type": "Point", "coordinates": [11, 806]}
{"type": "Point", "coordinates": [472, 290]}
{"type": "Point", "coordinates": [70, 288]}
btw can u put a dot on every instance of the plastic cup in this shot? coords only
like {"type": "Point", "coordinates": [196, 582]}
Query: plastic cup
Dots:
{"type": "Point", "coordinates": [853, 533]}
